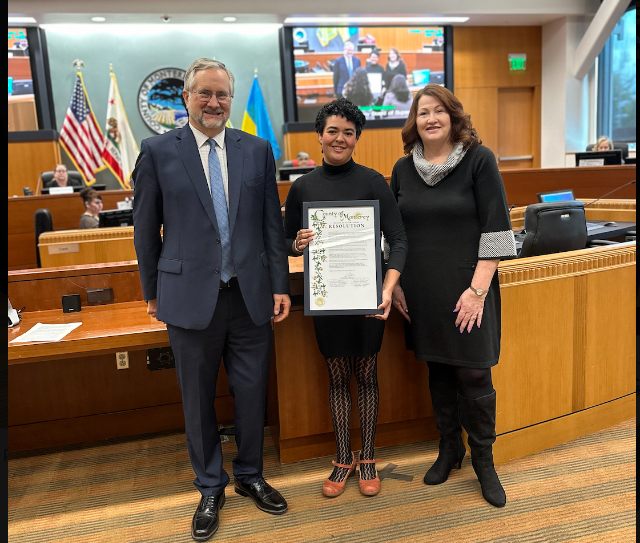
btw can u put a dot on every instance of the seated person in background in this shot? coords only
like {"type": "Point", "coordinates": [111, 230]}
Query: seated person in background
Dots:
{"type": "Point", "coordinates": [302, 160]}
{"type": "Point", "coordinates": [357, 89]}
{"type": "Point", "coordinates": [603, 144]}
{"type": "Point", "coordinates": [372, 65]}
{"type": "Point", "coordinates": [61, 178]}
{"type": "Point", "coordinates": [343, 68]}
{"type": "Point", "coordinates": [394, 67]}
{"type": "Point", "coordinates": [92, 208]}
{"type": "Point", "coordinates": [399, 96]}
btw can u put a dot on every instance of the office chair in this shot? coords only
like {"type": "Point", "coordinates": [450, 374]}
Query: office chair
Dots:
{"type": "Point", "coordinates": [554, 227]}
{"type": "Point", "coordinates": [287, 164]}
{"type": "Point", "coordinates": [48, 176]}
{"type": "Point", "coordinates": [43, 223]}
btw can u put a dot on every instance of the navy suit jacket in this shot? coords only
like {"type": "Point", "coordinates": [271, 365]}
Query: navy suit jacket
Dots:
{"type": "Point", "coordinates": [341, 74]}
{"type": "Point", "coordinates": [181, 269]}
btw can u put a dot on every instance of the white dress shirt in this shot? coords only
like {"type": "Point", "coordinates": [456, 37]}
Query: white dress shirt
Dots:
{"type": "Point", "coordinates": [204, 147]}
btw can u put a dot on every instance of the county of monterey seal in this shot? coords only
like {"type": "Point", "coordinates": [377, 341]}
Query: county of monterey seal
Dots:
{"type": "Point", "coordinates": [160, 100]}
{"type": "Point", "coordinates": [319, 302]}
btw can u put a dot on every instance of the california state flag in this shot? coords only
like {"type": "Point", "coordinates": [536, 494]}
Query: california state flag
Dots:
{"type": "Point", "coordinates": [120, 148]}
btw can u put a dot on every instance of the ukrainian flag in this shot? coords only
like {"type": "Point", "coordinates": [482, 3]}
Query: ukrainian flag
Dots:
{"type": "Point", "coordinates": [256, 118]}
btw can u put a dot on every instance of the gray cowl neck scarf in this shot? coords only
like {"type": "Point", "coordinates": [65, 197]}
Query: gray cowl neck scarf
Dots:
{"type": "Point", "coordinates": [432, 174]}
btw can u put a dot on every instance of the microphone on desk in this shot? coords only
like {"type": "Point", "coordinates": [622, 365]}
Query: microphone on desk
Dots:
{"type": "Point", "coordinates": [611, 192]}
{"type": "Point", "coordinates": [511, 208]}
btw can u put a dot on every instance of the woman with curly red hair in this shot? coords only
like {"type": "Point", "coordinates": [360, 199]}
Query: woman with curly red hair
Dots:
{"type": "Point", "coordinates": [455, 214]}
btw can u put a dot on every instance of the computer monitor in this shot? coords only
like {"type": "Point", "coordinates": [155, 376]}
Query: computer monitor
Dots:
{"type": "Point", "coordinates": [45, 190]}
{"type": "Point", "coordinates": [556, 196]}
{"type": "Point", "coordinates": [599, 158]}
{"type": "Point", "coordinates": [421, 77]}
{"type": "Point", "coordinates": [291, 173]}
{"type": "Point", "coordinates": [116, 217]}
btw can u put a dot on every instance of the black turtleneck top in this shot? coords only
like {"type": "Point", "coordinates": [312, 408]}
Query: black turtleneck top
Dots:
{"type": "Point", "coordinates": [349, 181]}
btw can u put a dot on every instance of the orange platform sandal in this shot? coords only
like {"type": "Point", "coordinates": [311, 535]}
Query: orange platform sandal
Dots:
{"type": "Point", "coordinates": [369, 487]}
{"type": "Point", "coordinates": [332, 489]}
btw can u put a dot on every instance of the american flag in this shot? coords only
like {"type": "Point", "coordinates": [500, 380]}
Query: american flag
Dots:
{"type": "Point", "coordinates": [81, 136]}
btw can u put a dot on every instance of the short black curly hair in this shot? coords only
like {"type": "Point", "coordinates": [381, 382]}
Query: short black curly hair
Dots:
{"type": "Point", "coordinates": [343, 108]}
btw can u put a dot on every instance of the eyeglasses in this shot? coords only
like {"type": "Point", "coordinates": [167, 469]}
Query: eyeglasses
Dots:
{"type": "Point", "coordinates": [205, 96]}
{"type": "Point", "coordinates": [61, 171]}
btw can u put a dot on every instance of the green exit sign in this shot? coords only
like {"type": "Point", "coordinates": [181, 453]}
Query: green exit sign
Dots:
{"type": "Point", "coordinates": [517, 62]}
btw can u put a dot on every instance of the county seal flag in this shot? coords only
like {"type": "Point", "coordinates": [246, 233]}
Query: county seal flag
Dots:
{"type": "Point", "coordinates": [120, 148]}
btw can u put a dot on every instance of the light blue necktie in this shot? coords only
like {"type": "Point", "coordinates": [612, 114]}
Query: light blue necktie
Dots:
{"type": "Point", "coordinates": [349, 66]}
{"type": "Point", "coordinates": [222, 214]}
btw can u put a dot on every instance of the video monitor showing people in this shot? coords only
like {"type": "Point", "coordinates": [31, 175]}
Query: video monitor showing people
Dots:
{"type": "Point", "coordinates": [22, 104]}
{"type": "Point", "coordinates": [377, 68]}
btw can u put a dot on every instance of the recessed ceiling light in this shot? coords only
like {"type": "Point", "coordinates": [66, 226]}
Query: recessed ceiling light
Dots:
{"type": "Point", "coordinates": [229, 19]}
{"type": "Point", "coordinates": [374, 20]}
{"type": "Point", "coordinates": [98, 19]}
{"type": "Point", "coordinates": [21, 20]}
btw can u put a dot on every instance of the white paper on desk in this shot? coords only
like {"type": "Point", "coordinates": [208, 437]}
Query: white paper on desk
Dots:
{"type": "Point", "coordinates": [46, 332]}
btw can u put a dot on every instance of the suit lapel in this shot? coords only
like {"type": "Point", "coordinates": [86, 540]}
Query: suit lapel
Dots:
{"type": "Point", "coordinates": [235, 163]}
{"type": "Point", "coordinates": [188, 150]}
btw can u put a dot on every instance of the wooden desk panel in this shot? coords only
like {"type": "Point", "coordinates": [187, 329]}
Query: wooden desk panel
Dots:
{"type": "Point", "coordinates": [41, 289]}
{"type": "Point", "coordinates": [561, 314]}
{"type": "Point", "coordinates": [535, 375]}
{"type": "Point", "coordinates": [79, 394]}
{"type": "Point", "coordinates": [66, 210]}
{"type": "Point", "coordinates": [522, 186]}
{"type": "Point", "coordinates": [88, 246]}
{"type": "Point", "coordinates": [610, 329]}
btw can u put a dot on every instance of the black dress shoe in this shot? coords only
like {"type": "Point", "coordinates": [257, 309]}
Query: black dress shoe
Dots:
{"type": "Point", "coordinates": [266, 498]}
{"type": "Point", "coordinates": [206, 520]}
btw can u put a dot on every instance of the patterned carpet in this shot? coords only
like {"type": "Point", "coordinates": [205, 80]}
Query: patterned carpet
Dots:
{"type": "Point", "coordinates": [139, 490]}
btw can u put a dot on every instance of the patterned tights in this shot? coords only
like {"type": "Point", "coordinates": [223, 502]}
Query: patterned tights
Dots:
{"type": "Point", "coordinates": [340, 402]}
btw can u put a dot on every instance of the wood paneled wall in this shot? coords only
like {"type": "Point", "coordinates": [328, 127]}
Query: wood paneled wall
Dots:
{"type": "Point", "coordinates": [400, 38]}
{"type": "Point", "coordinates": [378, 148]}
{"type": "Point", "coordinates": [27, 160]}
{"type": "Point", "coordinates": [481, 71]}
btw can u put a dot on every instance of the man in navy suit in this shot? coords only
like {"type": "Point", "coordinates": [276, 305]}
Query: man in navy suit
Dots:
{"type": "Point", "coordinates": [343, 67]}
{"type": "Point", "coordinates": [216, 277]}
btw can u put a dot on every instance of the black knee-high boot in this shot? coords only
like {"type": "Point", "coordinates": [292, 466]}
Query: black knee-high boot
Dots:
{"type": "Point", "coordinates": [451, 451]}
{"type": "Point", "coordinates": [478, 418]}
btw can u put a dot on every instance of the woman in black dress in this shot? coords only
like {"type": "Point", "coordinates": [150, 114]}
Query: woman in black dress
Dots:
{"type": "Point", "coordinates": [395, 66]}
{"type": "Point", "coordinates": [348, 342]}
{"type": "Point", "coordinates": [454, 210]}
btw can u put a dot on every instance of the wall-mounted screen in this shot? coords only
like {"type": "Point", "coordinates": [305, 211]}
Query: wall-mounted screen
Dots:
{"type": "Point", "coordinates": [22, 103]}
{"type": "Point", "coordinates": [377, 68]}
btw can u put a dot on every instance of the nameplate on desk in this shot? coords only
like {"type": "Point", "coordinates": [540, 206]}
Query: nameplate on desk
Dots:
{"type": "Point", "coordinates": [61, 248]}
{"type": "Point", "coordinates": [61, 190]}
{"type": "Point", "coordinates": [591, 162]}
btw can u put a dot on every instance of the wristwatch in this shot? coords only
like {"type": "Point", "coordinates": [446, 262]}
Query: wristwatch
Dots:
{"type": "Point", "coordinates": [479, 291]}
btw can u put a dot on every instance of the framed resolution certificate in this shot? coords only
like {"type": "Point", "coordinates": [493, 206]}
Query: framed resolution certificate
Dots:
{"type": "Point", "coordinates": [343, 263]}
